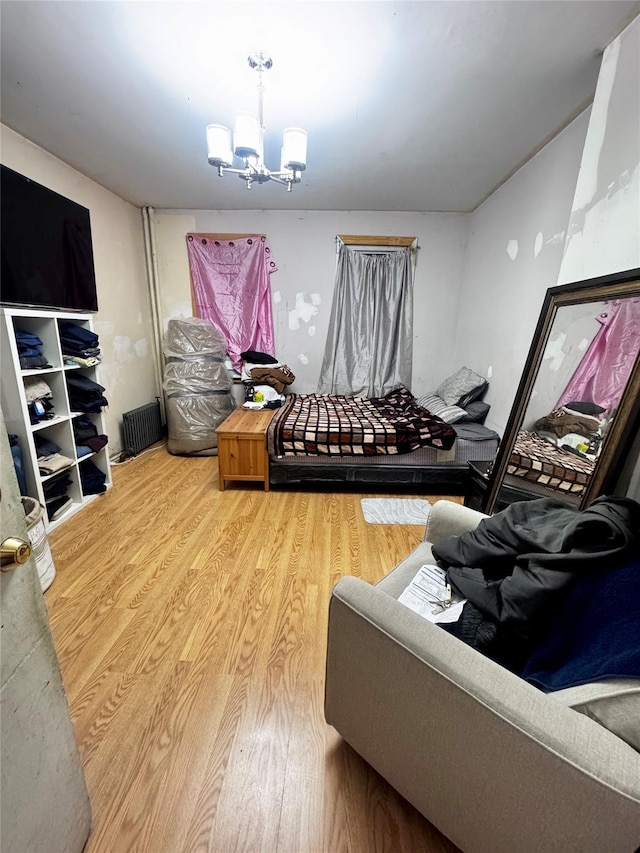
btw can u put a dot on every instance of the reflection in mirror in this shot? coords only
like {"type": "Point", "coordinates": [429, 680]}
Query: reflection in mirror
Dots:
{"type": "Point", "coordinates": [576, 407]}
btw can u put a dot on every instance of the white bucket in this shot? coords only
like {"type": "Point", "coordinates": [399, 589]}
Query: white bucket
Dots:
{"type": "Point", "coordinates": [36, 528]}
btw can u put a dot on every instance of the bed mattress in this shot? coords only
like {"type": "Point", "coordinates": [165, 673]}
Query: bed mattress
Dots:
{"type": "Point", "coordinates": [482, 447]}
{"type": "Point", "coordinates": [426, 467]}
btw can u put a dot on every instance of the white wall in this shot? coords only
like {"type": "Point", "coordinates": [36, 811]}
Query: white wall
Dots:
{"type": "Point", "coordinates": [303, 245]}
{"type": "Point", "coordinates": [604, 228]}
{"type": "Point", "coordinates": [123, 321]}
{"type": "Point", "coordinates": [513, 256]}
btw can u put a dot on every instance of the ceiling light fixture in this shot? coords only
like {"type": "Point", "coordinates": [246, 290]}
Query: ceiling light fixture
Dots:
{"type": "Point", "coordinates": [248, 141]}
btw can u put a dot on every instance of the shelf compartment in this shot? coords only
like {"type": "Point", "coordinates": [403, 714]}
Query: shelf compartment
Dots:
{"type": "Point", "coordinates": [42, 328]}
{"type": "Point", "coordinates": [59, 400]}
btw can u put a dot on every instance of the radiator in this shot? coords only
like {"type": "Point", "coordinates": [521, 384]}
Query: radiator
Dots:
{"type": "Point", "coordinates": [141, 427]}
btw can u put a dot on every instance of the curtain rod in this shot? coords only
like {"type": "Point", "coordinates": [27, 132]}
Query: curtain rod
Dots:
{"type": "Point", "coordinates": [377, 245]}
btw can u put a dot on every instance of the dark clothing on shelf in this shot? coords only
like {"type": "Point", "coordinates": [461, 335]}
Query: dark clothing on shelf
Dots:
{"type": "Point", "coordinates": [77, 335]}
{"type": "Point", "coordinates": [29, 351]}
{"type": "Point", "coordinates": [24, 338]}
{"type": "Point", "coordinates": [45, 447]}
{"type": "Point", "coordinates": [56, 486]}
{"type": "Point", "coordinates": [79, 341]}
{"type": "Point", "coordinates": [58, 506]}
{"type": "Point", "coordinates": [33, 362]}
{"type": "Point", "coordinates": [92, 479]}
{"type": "Point", "coordinates": [83, 428]}
{"type": "Point", "coordinates": [96, 443]}
{"type": "Point", "coordinates": [85, 395]}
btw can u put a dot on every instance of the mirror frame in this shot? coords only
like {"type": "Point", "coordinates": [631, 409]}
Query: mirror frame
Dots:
{"type": "Point", "coordinates": [621, 433]}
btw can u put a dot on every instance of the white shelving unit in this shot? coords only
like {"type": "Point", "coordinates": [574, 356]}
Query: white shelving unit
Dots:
{"type": "Point", "coordinates": [59, 429]}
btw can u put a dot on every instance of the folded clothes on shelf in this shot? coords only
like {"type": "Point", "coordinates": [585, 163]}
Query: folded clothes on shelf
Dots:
{"type": "Point", "coordinates": [56, 486]}
{"type": "Point", "coordinates": [36, 388]}
{"type": "Point", "coordinates": [58, 507]}
{"type": "Point", "coordinates": [73, 360]}
{"type": "Point", "coordinates": [56, 499]}
{"type": "Point", "coordinates": [54, 463]}
{"type": "Point", "coordinates": [45, 447]}
{"type": "Point", "coordinates": [85, 395]}
{"type": "Point", "coordinates": [29, 350]}
{"type": "Point", "coordinates": [39, 399]}
{"type": "Point", "coordinates": [83, 428]}
{"type": "Point", "coordinates": [92, 479]}
{"type": "Point", "coordinates": [78, 341]}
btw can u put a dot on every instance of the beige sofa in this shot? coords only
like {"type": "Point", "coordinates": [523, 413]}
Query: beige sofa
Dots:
{"type": "Point", "coordinates": [493, 762]}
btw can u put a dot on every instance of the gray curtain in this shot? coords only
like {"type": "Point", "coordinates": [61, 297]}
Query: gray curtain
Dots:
{"type": "Point", "coordinates": [370, 337]}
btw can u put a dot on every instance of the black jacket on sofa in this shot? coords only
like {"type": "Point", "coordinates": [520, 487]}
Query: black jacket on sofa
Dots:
{"type": "Point", "coordinates": [517, 565]}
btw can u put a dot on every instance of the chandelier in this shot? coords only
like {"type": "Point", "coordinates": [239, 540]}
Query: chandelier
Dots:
{"type": "Point", "coordinates": [248, 142]}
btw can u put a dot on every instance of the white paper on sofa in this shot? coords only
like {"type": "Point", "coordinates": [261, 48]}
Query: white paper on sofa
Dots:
{"type": "Point", "coordinates": [430, 596]}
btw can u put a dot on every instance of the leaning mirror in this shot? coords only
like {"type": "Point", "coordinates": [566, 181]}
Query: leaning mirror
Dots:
{"type": "Point", "coordinates": [576, 410]}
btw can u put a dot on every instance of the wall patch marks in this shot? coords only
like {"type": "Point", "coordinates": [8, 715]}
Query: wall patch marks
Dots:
{"type": "Point", "coordinates": [305, 308]}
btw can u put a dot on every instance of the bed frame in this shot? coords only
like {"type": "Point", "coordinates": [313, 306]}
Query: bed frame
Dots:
{"type": "Point", "coordinates": [454, 477]}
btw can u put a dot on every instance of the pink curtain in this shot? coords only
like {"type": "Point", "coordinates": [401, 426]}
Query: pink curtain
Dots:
{"type": "Point", "coordinates": [602, 374]}
{"type": "Point", "coordinates": [232, 290]}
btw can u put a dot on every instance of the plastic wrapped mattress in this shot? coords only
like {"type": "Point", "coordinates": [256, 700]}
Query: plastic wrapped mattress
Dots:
{"type": "Point", "coordinates": [197, 386]}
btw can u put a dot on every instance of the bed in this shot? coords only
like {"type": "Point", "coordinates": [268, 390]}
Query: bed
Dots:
{"type": "Point", "coordinates": [558, 455]}
{"type": "Point", "coordinates": [390, 440]}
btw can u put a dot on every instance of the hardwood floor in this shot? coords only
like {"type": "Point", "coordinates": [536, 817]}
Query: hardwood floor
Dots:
{"type": "Point", "coordinates": [190, 625]}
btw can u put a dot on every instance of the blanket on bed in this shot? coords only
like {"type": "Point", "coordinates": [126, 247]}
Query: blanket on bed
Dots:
{"type": "Point", "coordinates": [539, 461]}
{"type": "Point", "coordinates": [337, 425]}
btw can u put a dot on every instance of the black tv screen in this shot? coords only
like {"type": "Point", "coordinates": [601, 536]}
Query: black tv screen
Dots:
{"type": "Point", "coordinates": [47, 253]}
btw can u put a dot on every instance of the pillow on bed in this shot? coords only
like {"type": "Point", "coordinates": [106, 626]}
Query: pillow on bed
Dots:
{"type": "Point", "coordinates": [585, 408]}
{"type": "Point", "coordinates": [437, 406]}
{"type": "Point", "coordinates": [462, 387]}
{"type": "Point", "coordinates": [475, 412]}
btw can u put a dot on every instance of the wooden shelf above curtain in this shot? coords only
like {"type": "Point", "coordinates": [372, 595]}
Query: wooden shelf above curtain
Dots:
{"type": "Point", "coordinates": [369, 240]}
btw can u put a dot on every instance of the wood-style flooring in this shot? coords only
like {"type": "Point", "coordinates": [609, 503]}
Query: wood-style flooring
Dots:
{"type": "Point", "coordinates": [190, 626]}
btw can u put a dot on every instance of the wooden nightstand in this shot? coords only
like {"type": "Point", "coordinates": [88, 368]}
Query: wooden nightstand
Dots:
{"type": "Point", "coordinates": [242, 452]}
{"type": "Point", "coordinates": [478, 482]}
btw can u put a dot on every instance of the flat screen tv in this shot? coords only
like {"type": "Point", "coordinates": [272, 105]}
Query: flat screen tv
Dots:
{"type": "Point", "coordinates": [47, 253]}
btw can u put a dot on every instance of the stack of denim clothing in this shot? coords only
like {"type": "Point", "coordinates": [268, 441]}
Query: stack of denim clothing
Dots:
{"type": "Point", "coordinates": [56, 498]}
{"type": "Point", "coordinates": [18, 462]}
{"type": "Point", "coordinates": [50, 458]}
{"type": "Point", "coordinates": [29, 351]}
{"type": "Point", "coordinates": [92, 479]}
{"type": "Point", "coordinates": [79, 345]}
{"type": "Point", "coordinates": [85, 395]}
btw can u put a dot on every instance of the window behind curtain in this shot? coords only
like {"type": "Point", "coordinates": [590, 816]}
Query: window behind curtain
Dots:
{"type": "Point", "coordinates": [370, 339]}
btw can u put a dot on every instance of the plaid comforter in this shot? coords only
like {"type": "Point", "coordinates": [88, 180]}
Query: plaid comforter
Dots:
{"type": "Point", "coordinates": [336, 425]}
{"type": "Point", "coordinates": [535, 459]}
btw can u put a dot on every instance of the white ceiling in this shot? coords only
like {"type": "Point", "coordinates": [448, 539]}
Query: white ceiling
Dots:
{"type": "Point", "coordinates": [408, 105]}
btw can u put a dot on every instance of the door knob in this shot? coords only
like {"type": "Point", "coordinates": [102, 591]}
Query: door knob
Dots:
{"type": "Point", "coordinates": [14, 552]}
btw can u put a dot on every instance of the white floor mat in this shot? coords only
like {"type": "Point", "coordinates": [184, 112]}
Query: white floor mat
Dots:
{"type": "Point", "coordinates": [395, 510]}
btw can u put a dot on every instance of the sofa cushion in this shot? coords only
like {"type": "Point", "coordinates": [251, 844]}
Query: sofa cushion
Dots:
{"type": "Point", "coordinates": [462, 387]}
{"type": "Point", "coordinates": [615, 704]}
